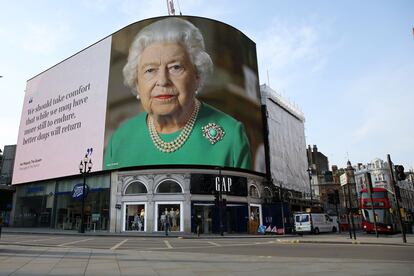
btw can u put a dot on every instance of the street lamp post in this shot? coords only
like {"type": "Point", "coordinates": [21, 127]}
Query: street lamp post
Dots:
{"type": "Point", "coordinates": [350, 210]}
{"type": "Point", "coordinates": [85, 167]}
{"type": "Point", "coordinates": [311, 198]}
{"type": "Point", "coordinates": [350, 180]}
{"type": "Point", "coordinates": [347, 202]}
{"type": "Point", "coordinates": [309, 170]}
{"type": "Point", "coordinates": [282, 206]}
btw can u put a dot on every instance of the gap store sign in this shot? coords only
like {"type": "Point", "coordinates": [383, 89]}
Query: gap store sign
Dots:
{"type": "Point", "coordinates": [208, 184]}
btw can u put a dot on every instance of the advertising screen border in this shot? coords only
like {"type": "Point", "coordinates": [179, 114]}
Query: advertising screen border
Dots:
{"type": "Point", "coordinates": [261, 120]}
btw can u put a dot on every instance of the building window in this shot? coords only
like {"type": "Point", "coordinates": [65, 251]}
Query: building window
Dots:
{"type": "Point", "coordinates": [253, 192]}
{"type": "Point", "coordinates": [136, 188]}
{"type": "Point", "coordinates": [169, 186]}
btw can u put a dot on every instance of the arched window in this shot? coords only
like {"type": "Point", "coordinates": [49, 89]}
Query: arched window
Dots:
{"type": "Point", "coordinates": [136, 187]}
{"type": "Point", "coordinates": [169, 186]}
{"type": "Point", "coordinates": [253, 192]}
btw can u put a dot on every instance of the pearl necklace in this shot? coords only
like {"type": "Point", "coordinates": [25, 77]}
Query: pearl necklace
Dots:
{"type": "Point", "coordinates": [177, 142]}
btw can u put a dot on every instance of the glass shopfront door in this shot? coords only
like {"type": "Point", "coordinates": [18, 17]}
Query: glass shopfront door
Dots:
{"type": "Point", "coordinates": [169, 215]}
{"type": "Point", "coordinates": [204, 213]}
{"type": "Point", "coordinates": [135, 217]}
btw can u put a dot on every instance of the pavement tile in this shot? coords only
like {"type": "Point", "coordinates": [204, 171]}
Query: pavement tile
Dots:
{"type": "Point", "coordinates": [72, 263]}
{"type": "Point", "coordinates": [61, 270]}
{"type": "Point", "coordinates": [33, 269]}
{"type": "Point", "coordinates": [138, 271]}
{"type": "Point", "coordinates": [7, 269]}
{"type": "Point", "coordinates": [76, 261]}
{"type": "Point", "coordinates": [132, 264]}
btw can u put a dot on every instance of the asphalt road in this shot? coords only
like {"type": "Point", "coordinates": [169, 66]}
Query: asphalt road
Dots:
{"type": "Point", "coordinates": [267, 247]}
{"type": "Point", "coordinates": [28, 254]}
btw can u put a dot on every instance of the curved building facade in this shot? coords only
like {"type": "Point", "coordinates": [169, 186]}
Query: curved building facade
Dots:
{"type": "Point", "coordinates": [137, 182]}
{"type": "Point", "coordinates": [140, 200]}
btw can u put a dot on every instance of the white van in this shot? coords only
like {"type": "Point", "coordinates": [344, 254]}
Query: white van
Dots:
{"type": "Point", "coordinates": [319, 222]}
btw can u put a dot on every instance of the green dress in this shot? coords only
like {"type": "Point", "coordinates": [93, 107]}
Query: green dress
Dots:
{"type": "Point", "coordinates": [131, 144]}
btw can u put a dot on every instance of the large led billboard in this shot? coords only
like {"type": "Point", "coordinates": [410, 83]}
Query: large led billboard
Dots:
{"type": "Point", "coordinates": [162, 91]}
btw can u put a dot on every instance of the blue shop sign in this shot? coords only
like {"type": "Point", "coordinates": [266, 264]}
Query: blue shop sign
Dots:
{"type": "Point", "coordinates": [77, 192]}
{"type": "Point", "coordinates": [33, 190]}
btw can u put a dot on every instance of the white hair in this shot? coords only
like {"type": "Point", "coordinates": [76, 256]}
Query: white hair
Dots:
{"type": "Point", "coordinates": [168, 30]}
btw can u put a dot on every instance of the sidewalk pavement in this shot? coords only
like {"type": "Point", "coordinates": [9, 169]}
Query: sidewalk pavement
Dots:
{"type": "Point", "coordinates": [332, 238]}
{"type": "Point", "coordinates": [24, 260]}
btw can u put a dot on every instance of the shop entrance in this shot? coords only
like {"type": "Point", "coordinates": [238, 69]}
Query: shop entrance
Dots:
{"type": "Point", "coordinates": [168, 215]}
{"type": "Point", "coordinates": [135, 217]}
{"type": "Point", "coordinates": [204, 212]}
{"type": "Point", "coordinates": [235, 218]}
{"type": "Point", "coordinates": [69, 211]}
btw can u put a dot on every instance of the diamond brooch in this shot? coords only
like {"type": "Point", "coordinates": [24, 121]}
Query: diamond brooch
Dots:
{"type": "Point", "coordinates": [213, 132]}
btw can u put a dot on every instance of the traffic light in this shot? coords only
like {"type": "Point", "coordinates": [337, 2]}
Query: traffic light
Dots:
{"type": "Point", "coordinates": [399, 171]}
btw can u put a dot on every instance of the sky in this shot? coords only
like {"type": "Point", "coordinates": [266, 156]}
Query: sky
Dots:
{"type": "Point", "coordinates": [348, 65]}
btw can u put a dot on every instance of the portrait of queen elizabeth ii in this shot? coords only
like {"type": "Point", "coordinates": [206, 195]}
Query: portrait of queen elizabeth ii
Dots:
{"type": "Point", "coordinates": [166, 67]}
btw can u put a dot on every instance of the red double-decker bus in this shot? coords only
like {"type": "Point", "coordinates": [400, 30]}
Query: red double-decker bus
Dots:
{"type": "Point", "coordinates": [381, 206]}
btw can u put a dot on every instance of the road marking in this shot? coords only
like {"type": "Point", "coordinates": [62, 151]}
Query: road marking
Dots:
{"type": "Point", "coordinates": [167, 243]}
{"type": "Point", "coordinates": [118, 244]}
{"type": "Point", "coordinates": [48, 239]}
{"type": "Point", "coordinates": [213, 243]}
{"type": "Point", "coordinates": [287, 241]}
{"type": "Point", "coordinates": [69, 243]}
{"type": "Point", "coordinates": [204, 246]}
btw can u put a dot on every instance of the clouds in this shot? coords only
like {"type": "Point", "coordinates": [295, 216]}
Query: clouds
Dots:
{"type": "Point", "coordinates": [383, 95]}
{"type": "Point", "coordinates": [370, 116]}
{"type": "Point", "coordinates": [283, 48]}
{"type": "Point", "coordinates": [43, 39]}
{"type": "Point", "coordinates": [97, 5]}
{"type": "Point", "coordinates": [138, 10]}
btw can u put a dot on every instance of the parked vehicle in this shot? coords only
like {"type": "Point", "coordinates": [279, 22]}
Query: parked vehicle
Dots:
{"type": "Point", "coordinates": [314, 223]}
